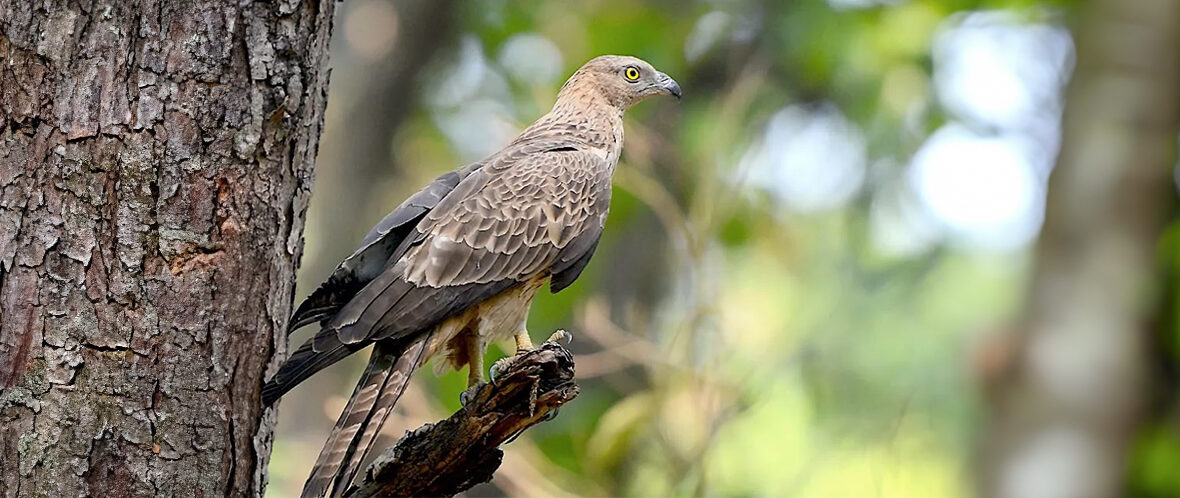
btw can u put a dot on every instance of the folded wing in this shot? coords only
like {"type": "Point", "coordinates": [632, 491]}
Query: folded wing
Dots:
{"type": "Point", "coordinates": [525, 215]}
{"type": "Point", "coordinates": [367, 262]}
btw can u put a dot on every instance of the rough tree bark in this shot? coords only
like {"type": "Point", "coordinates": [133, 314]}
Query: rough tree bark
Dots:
{"type": "Point", "coordinates": [1066, 408]}
{"type": "Point", "coordinates": [155, 164]}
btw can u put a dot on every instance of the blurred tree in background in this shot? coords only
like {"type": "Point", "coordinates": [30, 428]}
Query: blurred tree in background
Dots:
{"type": "Point", "coordinates": [812, 264]}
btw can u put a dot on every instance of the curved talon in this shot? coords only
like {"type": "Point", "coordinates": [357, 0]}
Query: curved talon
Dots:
{"type": "Point", "coordinates": [551, 415]}
{"type": "Point", "coordinates": [548, 416]}
{"type": "Point", "coordinates": [468, 394]}
{"type": "Point", "coordinates": [499, 366]}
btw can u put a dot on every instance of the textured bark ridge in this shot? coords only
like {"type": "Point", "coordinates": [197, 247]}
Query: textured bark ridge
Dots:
{"type": "Point", "coordinates": [455, 454]}
{"type": "Point", "coordinates": [155, 165]}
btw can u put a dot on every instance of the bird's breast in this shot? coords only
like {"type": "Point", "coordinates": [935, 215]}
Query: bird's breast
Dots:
{"type": "Point", "coordinates": [503, 315]}
{"type": "Point", "coordinates": [495, 319]}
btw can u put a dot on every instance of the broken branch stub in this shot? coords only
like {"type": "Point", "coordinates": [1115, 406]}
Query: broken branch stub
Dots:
{"type": "Point", "coordinates": [451, 456]}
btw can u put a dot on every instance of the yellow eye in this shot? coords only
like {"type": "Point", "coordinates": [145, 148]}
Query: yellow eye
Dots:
{"type": "Point", "coordinates": [631, 74]}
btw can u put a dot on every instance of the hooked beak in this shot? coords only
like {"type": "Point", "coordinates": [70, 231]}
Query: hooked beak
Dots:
{"type": "Point", "coordinates": [669, 85]}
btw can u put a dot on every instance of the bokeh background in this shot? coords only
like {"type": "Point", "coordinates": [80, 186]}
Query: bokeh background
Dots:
{"type": "Point", "coordinates": [813, 264]}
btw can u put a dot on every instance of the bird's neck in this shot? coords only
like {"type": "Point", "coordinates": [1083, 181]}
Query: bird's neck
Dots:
{"type": "Point", "coordinates": [585, 118]}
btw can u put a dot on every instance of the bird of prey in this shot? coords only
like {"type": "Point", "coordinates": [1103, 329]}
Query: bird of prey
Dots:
{"type": "Point", "coordinates": [457, 265]}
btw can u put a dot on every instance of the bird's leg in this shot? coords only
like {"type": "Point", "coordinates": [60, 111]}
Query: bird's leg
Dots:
{"type": "Point", "coordinates": [474, 361]}
{"type": "Point", "coordinates": [474, 353]}
{"type": "Point", "coordinates": [560, 336]}
{"type": "Point", "coordinates": [524, 343]}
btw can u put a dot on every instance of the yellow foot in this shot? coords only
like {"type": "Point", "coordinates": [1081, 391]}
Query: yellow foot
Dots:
{"type": "Point", "coordinates": [560, 337]}
{"type": "Point", "coordinates": [474, 368]}
{"type": "Point", "coordinates": [525, 345]}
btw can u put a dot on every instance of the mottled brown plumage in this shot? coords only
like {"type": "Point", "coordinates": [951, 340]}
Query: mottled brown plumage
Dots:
{"type": "Point", "coordinates": [457, 265]}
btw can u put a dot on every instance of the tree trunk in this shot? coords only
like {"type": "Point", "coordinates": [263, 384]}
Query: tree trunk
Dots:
{"type": "Point", "coordinates": [155, 165]}
{"type": "Point", "coordinates": [1067, 406]}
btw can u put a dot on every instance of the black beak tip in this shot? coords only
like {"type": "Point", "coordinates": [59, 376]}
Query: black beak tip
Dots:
{"type": "Point", "coordinates": [674, 89]}
{"type": "Point", "coordinates": [669, 85]}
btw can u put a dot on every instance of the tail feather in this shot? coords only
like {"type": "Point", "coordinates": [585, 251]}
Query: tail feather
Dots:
{"type": "Point", "coordinates": [305, 361]}
{"type": "Point", "coordinates": [384, 381]}
{"type": "Point", "coordinates": [399, 379]}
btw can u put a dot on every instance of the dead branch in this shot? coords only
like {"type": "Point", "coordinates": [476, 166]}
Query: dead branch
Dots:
{"type": "Point", "coordinates": [451, 456]}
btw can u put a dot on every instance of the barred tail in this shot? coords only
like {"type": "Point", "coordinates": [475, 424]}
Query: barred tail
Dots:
{"type": "Point", "coordinates": [384, 381]}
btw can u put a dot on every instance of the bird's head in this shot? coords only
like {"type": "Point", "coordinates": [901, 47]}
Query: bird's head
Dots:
{"type": "Point", "coordinates": [622, 80]}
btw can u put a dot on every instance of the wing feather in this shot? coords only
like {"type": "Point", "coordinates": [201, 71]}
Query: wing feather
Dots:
{"type": "Point", "coordinates": [381, 243]}
{"type": "Point", "coordinates": [516, 224]}
{"type": "Point", "coordinates": [480, 239]}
